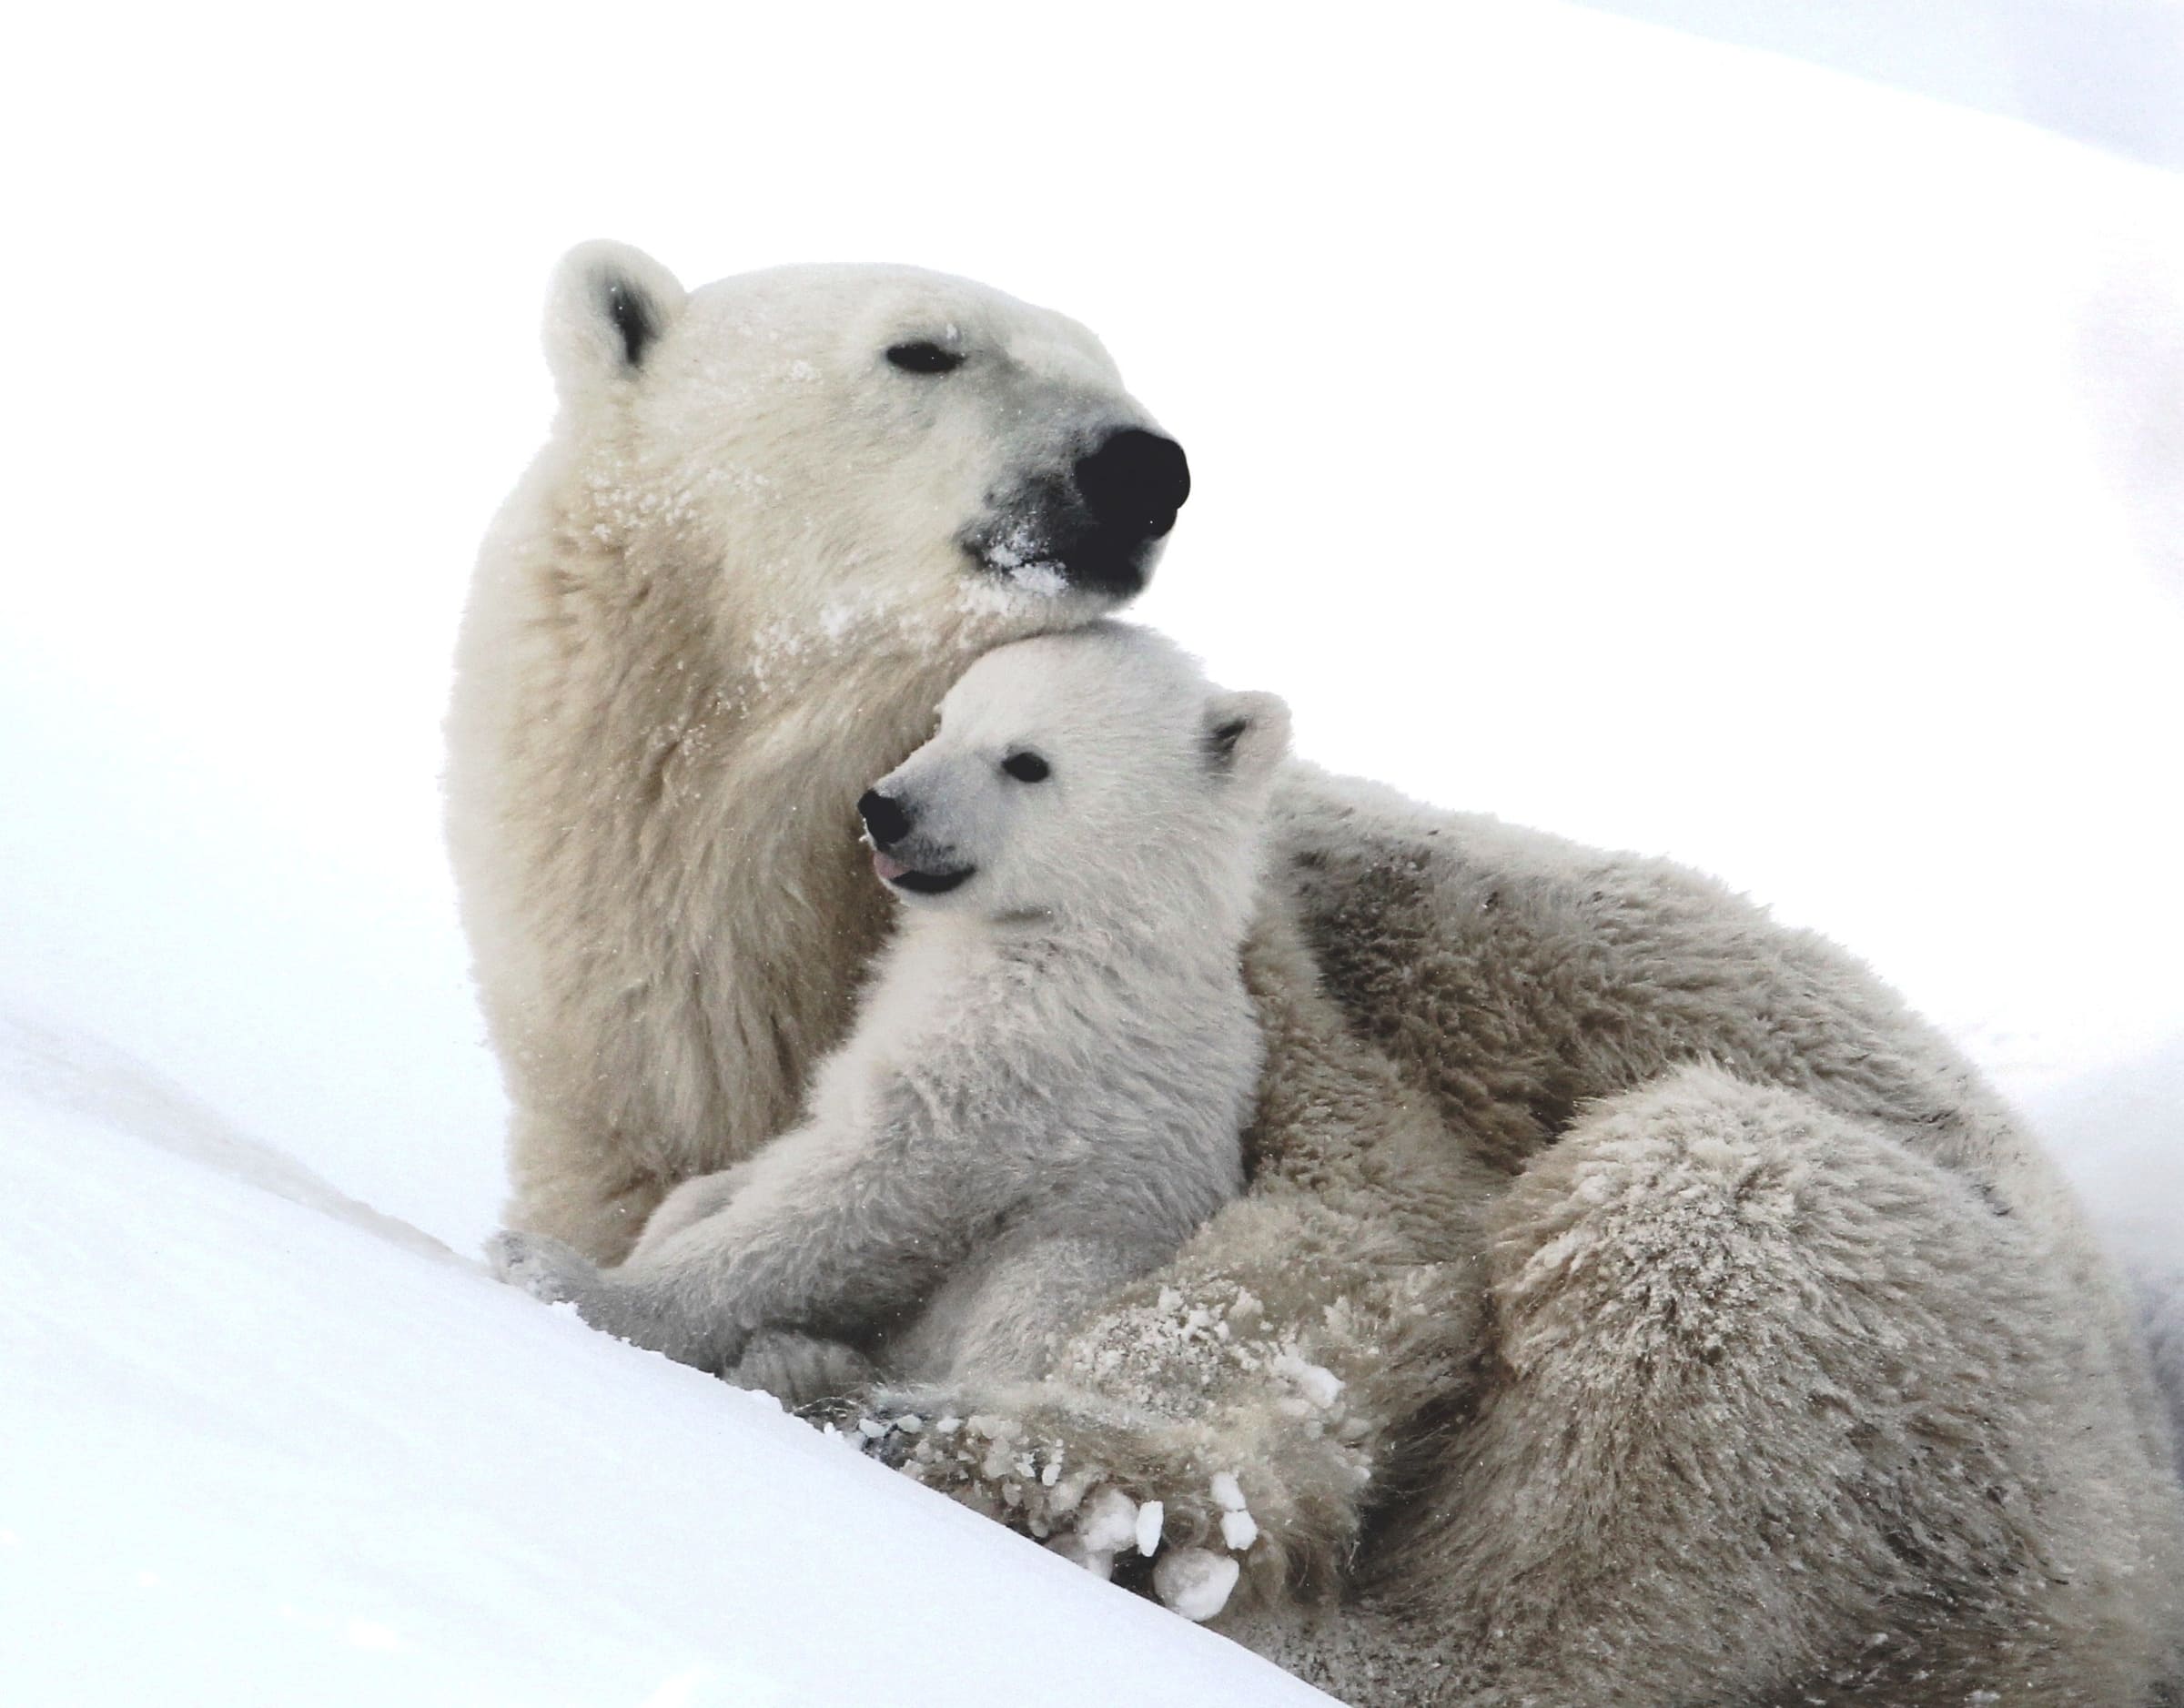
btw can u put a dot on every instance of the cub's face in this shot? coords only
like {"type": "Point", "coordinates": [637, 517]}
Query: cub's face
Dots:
{"type": "Point", "coordinates": [1095, 774]}
{"type": "Point", "coordinates": [853, 443]}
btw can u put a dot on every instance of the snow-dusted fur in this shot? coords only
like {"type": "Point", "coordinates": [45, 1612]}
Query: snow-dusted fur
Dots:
{"type": "Point", "coordinates": [1632, 1303]}
{"type": "Point", "coordinates": [1046, 1089]}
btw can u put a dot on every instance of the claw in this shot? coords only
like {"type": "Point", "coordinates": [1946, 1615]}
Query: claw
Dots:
{"type": "Point", "coordinates": [1149, 1519]}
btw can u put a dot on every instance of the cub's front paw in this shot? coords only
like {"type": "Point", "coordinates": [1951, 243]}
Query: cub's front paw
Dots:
{"type": "Point", "coordinates": [541, 1265]}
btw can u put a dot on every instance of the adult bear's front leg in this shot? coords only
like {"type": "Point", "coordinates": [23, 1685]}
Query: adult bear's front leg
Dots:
{"type": "Point", "coordinates": [1783, 1412]}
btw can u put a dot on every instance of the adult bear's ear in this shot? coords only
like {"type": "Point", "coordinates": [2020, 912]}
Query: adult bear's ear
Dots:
{"type": "Point", "coordinates": [1246, 734]}
{"type": "Point", "coordinates": [606, 308]}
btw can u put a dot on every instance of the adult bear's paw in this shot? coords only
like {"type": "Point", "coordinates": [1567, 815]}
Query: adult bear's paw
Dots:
{"type": "Point", "coordinates": [1166, 1505]}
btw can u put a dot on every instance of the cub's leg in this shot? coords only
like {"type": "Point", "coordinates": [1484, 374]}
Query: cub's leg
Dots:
{"type": "Point", "coordinates": [1783, 1412]}
{"type": "Point", "coordinates": [826, 1229]}
{"type": "Point", "coordinates": [687, 1205]}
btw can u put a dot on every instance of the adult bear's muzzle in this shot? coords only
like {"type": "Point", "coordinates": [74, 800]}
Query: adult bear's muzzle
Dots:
{"type": "Point", "coordinates": [1096, 529]}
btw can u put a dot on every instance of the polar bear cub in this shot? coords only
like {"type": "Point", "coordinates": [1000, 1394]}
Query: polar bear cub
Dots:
{"type": "Point", "coordinates": [1046, 1084]}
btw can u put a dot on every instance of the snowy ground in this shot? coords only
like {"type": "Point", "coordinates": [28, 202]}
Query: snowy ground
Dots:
{"type": "Point", "coordinates": [264, 1446]}
{"type": "Point", "coordinates": [1668, 445]}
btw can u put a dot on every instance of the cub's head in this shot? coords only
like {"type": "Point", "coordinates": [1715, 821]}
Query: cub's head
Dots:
{"type": "Point", "coordinates": [1094, 775]}
{"type": "Point", "coordinates": [851, 447]}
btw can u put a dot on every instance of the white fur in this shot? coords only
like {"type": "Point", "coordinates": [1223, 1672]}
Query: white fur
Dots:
{"type": "Point", "coordinates": [1045, 1088]}
{"type": "Point", "coordinates": [1632, 1303]}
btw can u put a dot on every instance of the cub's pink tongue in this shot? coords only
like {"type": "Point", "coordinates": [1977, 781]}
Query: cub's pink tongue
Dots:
{"type": "Point", "coordinates": [887, 868]}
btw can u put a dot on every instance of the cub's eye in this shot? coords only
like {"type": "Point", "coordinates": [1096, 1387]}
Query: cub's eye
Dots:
{"type": "Point", "coordinates": [924, 358]}
{"type": "Point", "coordinates": [1026, 767]}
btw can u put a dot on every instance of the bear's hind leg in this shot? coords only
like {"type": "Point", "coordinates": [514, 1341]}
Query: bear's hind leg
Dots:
{"type": "Point", "coordinates": [1783, 1413]}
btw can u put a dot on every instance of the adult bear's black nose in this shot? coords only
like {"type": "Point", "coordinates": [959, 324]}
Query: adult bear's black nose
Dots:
{"type": "Point", "coordinates": [885, 820]}
{"type": "Point", "coordinates": [1134, 483]}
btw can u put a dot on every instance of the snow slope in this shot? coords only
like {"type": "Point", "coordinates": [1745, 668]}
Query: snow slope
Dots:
{"type": "Point", "coordinates": [264, 1446]}
{"type": "Point", "coordinates": [2106, 72]}
{"type": "Point", "coordinates": [1671, 445]}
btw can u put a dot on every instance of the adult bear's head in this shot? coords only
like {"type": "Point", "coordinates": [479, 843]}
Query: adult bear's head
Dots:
{"type": "Point", "coordinates": [856, 449]}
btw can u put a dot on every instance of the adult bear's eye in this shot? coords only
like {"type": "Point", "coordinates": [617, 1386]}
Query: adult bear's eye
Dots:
{"type": "Point", "coordinates": [924, 356]}
{"type": "Point", "coordinates": [1026, 767]}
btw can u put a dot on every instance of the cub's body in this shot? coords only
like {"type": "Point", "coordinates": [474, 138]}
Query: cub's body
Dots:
{"type": "Point", "coordinates": [1044, 1090]}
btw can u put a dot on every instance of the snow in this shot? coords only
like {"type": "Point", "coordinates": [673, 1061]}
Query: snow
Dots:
{"type": "Point", "coordinates": [1196, 1582]}
{"type": "Point", "coordinates": [2106, 72]}
{"type": "Point", "coordinates": [1673, 446]}
{"type": "Point", "coordinates": [1110, 1521]}
{"type": "Point", "coordinates": [264, 1448]}
{"type": "Point", "coordinates": [1320, 1387]}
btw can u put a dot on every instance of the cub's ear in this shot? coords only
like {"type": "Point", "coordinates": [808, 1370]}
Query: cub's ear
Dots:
{"type": "Point", "coordinates": [606, 308]}
{"type": "Point", "coordinates": [1246, 734]}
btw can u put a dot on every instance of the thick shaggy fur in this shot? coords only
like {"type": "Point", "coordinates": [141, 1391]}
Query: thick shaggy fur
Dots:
{"type": "Point", "coordinates": [1046, 1088]}
{"type": "Point", "coordinates": [1632, 1303]}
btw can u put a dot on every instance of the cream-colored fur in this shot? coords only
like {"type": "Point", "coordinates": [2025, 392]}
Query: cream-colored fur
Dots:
{"type": "Point", "coordinates": [1632, 1303]}
{"type": "Point", "coordinates": [728, 594]}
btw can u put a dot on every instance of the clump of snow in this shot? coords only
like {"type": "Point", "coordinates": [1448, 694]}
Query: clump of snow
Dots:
{"type": "Point", "coordinates": [1195, 1581]}
{"type": "Point", "coordinates": [1021, 554]}
{"type": "Point", "coordinates": [1107, 1523]}
{"type": "Point", "coordinates": [1320, 1386]}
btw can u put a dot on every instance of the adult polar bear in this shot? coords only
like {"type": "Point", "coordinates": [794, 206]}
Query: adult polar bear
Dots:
{"type": "Point", "coordinates": [1632, 1303]}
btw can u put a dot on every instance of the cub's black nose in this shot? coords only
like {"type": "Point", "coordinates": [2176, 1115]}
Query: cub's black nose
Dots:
{"type": "Point", "coordinates": [885, 820]}
{"type": "Point", "coordinates": [1134, 482]}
